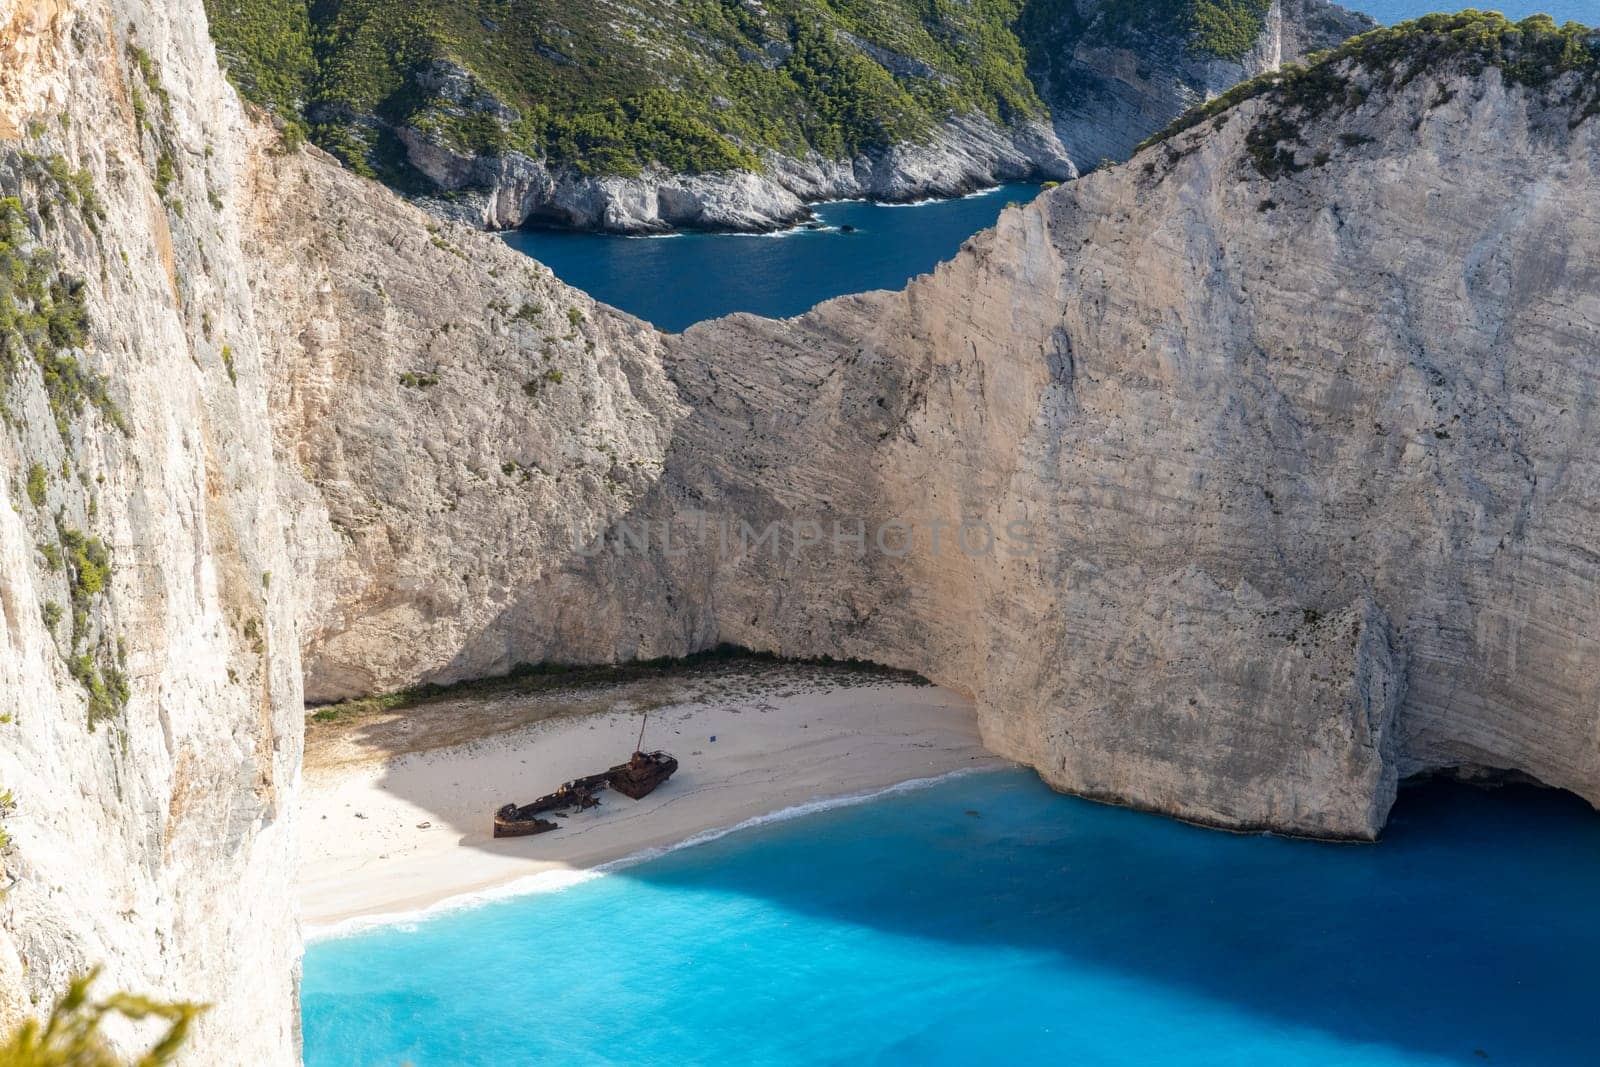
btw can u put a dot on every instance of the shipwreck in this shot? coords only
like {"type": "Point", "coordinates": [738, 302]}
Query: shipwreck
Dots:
{"type": "Point", "coordinates": [635, 779]}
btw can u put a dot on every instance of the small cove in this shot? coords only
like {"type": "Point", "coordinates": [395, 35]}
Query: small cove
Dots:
{"type": "Point", "coordinates": [675, 280]}
{"type": "Point", "coordinates": [987, 919]}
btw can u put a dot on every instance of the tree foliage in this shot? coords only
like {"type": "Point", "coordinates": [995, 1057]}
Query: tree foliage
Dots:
{"type": "Point", "coordinates": [73, 1036]}
{"type": "Point", "coordinates": [691, 85]}
{"type": "Point", "coordinates": [266, 46]}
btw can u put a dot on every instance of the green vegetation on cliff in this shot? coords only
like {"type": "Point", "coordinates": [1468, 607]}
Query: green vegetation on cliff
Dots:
{"type": "Point", "coordinates": [266, 46]}
{"type": "Point", "coordinates": [44, 329]}
{"type": "Point", "coordinates": [1052, 32]}
{"type": "Point", "coordinates": [694, 85]}
{"type": "Point", "coordinates": [42, 319]}
{"type": "Point", "coordinates": [1561, 61]}
{"type": "Point", "coordinates": [1224, 29]}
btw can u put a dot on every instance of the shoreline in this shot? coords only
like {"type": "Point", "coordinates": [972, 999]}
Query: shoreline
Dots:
{"type": "Point", "coordinates": [393, 835]}
{"type": "Point", "coordinates": [804, 224]}
{"type": "Point", "coordinates": [555, 880]}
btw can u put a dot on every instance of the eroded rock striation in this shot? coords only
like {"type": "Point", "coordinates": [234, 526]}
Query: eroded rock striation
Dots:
{"type": "Point", "coordinates": [150, 697]}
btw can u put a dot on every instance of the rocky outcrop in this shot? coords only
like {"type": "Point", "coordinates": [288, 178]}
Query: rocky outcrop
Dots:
{"type": "Point", "coordinates": [967, 153]}
{"type": "Point", "coordinates": [1296, 443]}
{"type": "Point", "coordinates": [1110, 84]}
{"type": "Point", "coordinates": [1353, 382]}
{"type": "Point", "coordinates": [1227, 708]}
{"type": "Point", "coordinates": [149, 664]}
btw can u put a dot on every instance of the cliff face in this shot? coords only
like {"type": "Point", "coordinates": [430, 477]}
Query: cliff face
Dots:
{"type": "Point", "coordinates": [1291, 411]}
{"type": "Point", "coordinates": [1308, 453]}
{"type": "Point", "coordinates": [1114, 73]}
{"type": "Point", "coordinates": [447, 413]}
{"type": "Point", "coordinates": [149, 666]}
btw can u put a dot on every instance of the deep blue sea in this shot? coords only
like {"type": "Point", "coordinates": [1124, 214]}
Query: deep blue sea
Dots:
{"type": "Point", "coordinates": [1391, 11]}
{"type": "Point", "coordinates": [674, 281]}
{"type": "Point", "coordinates": [988, 920]}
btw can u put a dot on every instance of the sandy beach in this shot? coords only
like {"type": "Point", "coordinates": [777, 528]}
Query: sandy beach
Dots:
{"type": "Point", "coordinates": [395, 811]}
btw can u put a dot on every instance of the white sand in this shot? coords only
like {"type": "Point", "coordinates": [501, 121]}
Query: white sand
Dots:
{"type": "Point", "coordinates": [365, 850]}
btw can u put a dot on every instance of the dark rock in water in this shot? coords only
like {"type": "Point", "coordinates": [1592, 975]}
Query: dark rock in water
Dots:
{"type": "Point", "coordinates": [847, 228]}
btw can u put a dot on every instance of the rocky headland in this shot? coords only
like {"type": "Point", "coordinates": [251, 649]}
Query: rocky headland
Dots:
{"type": "Point", "coordinates": [738, 121]}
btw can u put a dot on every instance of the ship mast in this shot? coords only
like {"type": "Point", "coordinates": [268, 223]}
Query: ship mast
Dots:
{"type": "Point", "coordinates": [639, 747]}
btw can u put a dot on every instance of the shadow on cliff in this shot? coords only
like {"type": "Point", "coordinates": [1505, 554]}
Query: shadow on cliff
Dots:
{"type": "Point", "coordinates": [1468, 933]}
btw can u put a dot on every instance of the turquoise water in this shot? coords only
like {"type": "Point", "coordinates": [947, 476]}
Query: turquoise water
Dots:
{"type": "Point", "coordinates": [1389, 12]}
{"type": "Point", "coordinates": [988, 920]}
{"type": "Point", "coordinates": [677, 280]}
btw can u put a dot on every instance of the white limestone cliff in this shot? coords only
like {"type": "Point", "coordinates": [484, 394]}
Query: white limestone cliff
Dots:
{"type": "Point", "coordinates": [1304, 457]}
{"type": "Point", "coordinates": [149, 729]}
{"type": "Point", "coordinates": [965, 154]}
